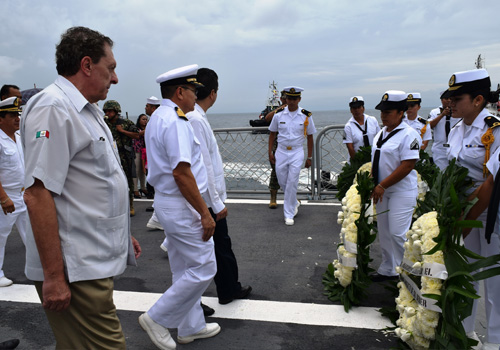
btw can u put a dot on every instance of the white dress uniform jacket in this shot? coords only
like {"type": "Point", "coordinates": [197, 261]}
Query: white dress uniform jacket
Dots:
{"type": "Point", "coordinates": [353, 134]}
{"type": "Point", "coordinates": [465, 145]}
{"type": "Point", "coordinates": [290, 154]}
{"type": "Point", "coordinates": [210, 150]}
{"type": "Point", "coordinates": [12, 179]}
{"type": "Point", "coordinates": [68, 147]}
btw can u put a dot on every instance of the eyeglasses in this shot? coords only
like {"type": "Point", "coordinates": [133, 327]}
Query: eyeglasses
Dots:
{"type": "Point", "coordinates": [193, 90]}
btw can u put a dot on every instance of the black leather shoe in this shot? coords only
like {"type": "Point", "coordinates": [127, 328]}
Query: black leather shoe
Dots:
{"type": "Point", "coordinates": [207, 310]}
{"type": "Point", "coordinates": [376, 277]}
{"type": "Point", "coordinates": [9, 344]}
{"type": "Point", "coordinates": [242, 294]}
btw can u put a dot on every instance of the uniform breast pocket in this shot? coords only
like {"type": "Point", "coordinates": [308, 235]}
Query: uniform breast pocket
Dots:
{"type": "Point", "coordinates": [8, 157]}
{"type": "Point", "coordinates": [298, 129]}
{"type": "Point", "coordinates": [111, 237]}
{"type": "Point", "coordinates": [473, 152]}
{"type": "Point", "coordinates": [103, 157]}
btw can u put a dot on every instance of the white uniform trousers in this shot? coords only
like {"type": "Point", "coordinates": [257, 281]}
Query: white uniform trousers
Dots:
{"type": "Point", "coordinates": [477, 243]}
{"type": "Point", "coordinates": [18, 217]}
{"type": "Point", "coordinates": [192, 263]}
{"type": "Point", "coordinates": [392, 227]}
{"type": "Point", "coordinates": [288, 165]}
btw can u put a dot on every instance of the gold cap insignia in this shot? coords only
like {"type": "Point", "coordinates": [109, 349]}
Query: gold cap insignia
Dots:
{"type": "Point", "coordinates": [452, 80]}
{"type": "Point", "coordinates": [355, 99]}
{"type": "Point", "coordinates": [292, 90]}
{"type": "Point", "coordinates": [410, 96]}
{"type": "Point", "coordinates": [385, 97]}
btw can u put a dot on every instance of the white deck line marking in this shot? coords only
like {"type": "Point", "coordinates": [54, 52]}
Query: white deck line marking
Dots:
{"type": "Point", "coordinates": [264, 201]}
{"type": "Point", "coordinates": [254, 310]}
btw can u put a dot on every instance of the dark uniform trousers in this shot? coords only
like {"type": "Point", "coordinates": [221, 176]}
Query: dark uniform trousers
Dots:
{"type": "Point", "coordinates": [273, 181]}
{"type": "Point", "coordinates": [226, 278]}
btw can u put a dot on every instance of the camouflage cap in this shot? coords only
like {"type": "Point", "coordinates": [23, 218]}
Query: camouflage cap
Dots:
{"type": "Point", "coordinates": [113, 105]}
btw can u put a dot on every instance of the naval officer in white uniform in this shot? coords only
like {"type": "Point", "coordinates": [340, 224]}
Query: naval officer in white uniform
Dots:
{"type": "Point", "coordinates": [293, 124]}
{"type": "Point", "coordinates": [471, 141]}
{"type": "Point", "coordinates": [441, 120]}
{"type": "Point", "coordinates": [179, 177]}
{"type": "Point", "coordinates": [394, 154]}
{"type": "Point", "coordinates": [361, 128]}
{"type": "Point", "coordinates": [418, 123]}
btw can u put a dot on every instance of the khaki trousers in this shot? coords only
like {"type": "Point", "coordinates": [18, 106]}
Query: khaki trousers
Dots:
{"type": "Point", "coordinates": [90, 322]}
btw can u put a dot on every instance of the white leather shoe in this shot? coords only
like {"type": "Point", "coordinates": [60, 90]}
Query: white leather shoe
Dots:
{"type": "Point", "coordinates": [163, 247]}
{"type": "Point", "coordinates": [289, 222]}
{"type": "Point", "coordinates": [159, 335]}
{"type": "Point", "coordinates": [153, 224]}
{"type": "Point", "coordinates": [210, 330]}
{"type": "Point", "coordinates": [5, 282]}
{"type": "Point", "coordinates": [297, 208]}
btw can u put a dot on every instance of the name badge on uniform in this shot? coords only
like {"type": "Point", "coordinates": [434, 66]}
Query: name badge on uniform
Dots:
{"type": "Point", "coordinates": [282, 122]}
{"type": "Point", "coordinates": [446, 145]}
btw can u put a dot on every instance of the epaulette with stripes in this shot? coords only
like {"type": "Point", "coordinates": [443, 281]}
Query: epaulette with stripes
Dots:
{"type": "Point", "coordinates": [492, 121]}
{"type": "Point", "coordinates": [422, 120]}
{"type": "Point", "coordinates": [306, 112]}
{"type": "Point", "coordinates": [181, 114]}
{"type": "Point", "coordinates": [281, 109]}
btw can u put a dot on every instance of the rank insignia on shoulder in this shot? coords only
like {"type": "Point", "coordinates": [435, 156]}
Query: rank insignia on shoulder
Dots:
{"type": "Point", "coordinates": [180, 113]}
{"type": "Point", "coordinates": [492, 121]}
{"type": "Point", "coordinates": [422, 120]}
{"type": "Point", "coordinates": [414, 145]}
{"type": "Point", "coordinates": [306, 112]}
{"type": "Point", "coordinates": [281, 109]}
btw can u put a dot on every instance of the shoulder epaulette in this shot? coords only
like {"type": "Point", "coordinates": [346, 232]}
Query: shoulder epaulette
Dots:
{"type": "Point", "coordinates": [281, 109]}
{"type": "Point", "coordinates": [306, 112]}
{"type": "Point", "coordinates": [422, 120]}
{"type": "Point", "coordinates": [492, 121]}
{"type": "Point", "coordinates": [180, 113]}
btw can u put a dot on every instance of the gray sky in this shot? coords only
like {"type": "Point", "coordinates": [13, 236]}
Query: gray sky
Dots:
{"type": "Point", "coordinates": [334, 49]}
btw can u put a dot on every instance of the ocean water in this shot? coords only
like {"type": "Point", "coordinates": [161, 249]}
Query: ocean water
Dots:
{"type": "Point", "coordinates": [321, 118]}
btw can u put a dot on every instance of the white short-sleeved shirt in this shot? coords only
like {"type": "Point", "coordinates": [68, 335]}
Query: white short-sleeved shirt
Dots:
{"type": "Point", "coordinates": [404, 145]}
{"type": "Point", "coordinates": [440, 140]}
{"type": "Point", "coordinates": [11, 162]}
{"type": "Point", "coordinates": [170, 140]}
{"type": "Point", "coordinates": [465, 145]}
{"type": "Point", "coordinates": [418, 125]}
{"type": "Point", "coordinates": [211, 158]}
{"type": "Point", "coordinates": [353, 134]}
{"type": "Point", "coordinates": [493, 166]}
{"type": "Point", "coordinates": [69, 148]}
{"type": "Point", "coordinates": [290, 127]}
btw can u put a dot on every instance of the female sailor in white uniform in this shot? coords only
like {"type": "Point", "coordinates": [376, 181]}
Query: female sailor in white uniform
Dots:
{"type": "Point", "coordinates": [360, 130]}
{"type": "Point", "coordinates": [293, 125]}
{"type": "Point", "coordinates": [394, 154]}
{"type": "Point", "coordinates": [471, 142]}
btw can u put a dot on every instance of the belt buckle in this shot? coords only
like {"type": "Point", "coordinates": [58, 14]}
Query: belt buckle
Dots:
{"type": "Point", "coordinates": [288, 148]}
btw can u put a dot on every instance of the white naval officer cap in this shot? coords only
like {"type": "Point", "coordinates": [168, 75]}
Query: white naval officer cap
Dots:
{"type": "Point", "coordinates": [393, 99]}
{"type": "Point", "coordinates": [414, 97]}
{"type": "Point", "coordinates": [179, 76]}
{"type": "Point", "coordinates": [293, 91]}
{"type": "Point", "coordinates": [356, 101]}
{"type": "Point", "coordinates": [153, 101]}
{"type": "Point", "coordinates": [468, 81]}
{"type": "Point", "coordinates": [11, 105]}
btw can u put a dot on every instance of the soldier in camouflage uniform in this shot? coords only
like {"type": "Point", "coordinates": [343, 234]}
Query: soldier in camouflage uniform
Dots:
{"type": "Point", "coordinates": [123, 131]}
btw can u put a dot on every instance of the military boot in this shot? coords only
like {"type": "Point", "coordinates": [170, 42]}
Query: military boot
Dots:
{"type": "Point", "coordinates": [272, 203]}
{"type": "Point", "coordinates": [132, 210]}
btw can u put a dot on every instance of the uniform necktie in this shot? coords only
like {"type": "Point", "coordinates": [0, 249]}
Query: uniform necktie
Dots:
{"type": "Point", "coordinates": [366, 141]}
{"type": "Point", "coordinates": [493, 207]}
{"type": "Point", "coordinates": [376, 157]}
{"type": "Point", "coordinates": [447, 126]}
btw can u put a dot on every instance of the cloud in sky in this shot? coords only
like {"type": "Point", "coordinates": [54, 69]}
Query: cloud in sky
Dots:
{"type": "Point", "coordinates": [333, 49]}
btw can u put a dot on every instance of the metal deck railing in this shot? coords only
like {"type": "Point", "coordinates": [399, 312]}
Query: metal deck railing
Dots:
{"type": "Point", "coordinates": [247, 169]}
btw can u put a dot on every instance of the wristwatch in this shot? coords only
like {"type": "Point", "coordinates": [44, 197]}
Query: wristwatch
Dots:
{"type": "Point", "coordinates": [309, 158]}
